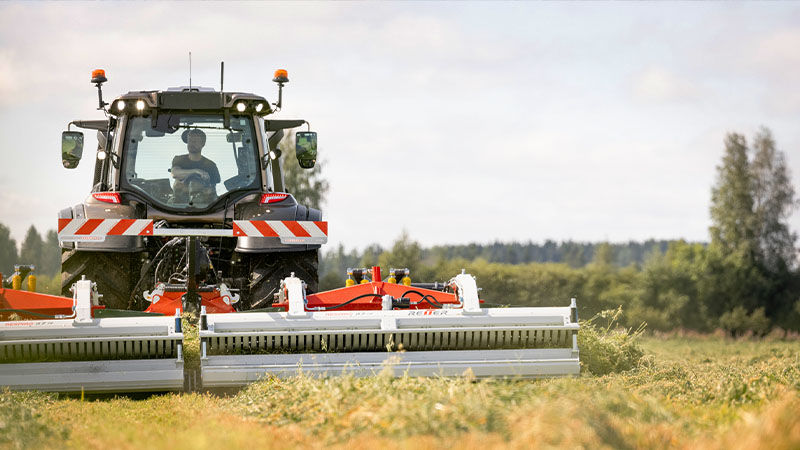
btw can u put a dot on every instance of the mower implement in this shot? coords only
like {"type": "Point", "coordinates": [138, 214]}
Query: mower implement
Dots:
{"type": "Point", "coordinates": [74, 351]}
{"type": "Point", "coordinates": [368, 328]}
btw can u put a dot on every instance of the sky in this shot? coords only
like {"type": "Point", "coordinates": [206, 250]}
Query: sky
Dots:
{"type": "Point", "coordinates": [456, 122]}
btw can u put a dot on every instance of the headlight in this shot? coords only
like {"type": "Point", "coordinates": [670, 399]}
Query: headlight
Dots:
{"type": "Point", "coordinates": [140, 105]}
{"type": "Point", "coordinates": [120, 105]}
{"type": "Point", "coordinates": [259, 107]}
{"type": "Point", "coordinates": [240, 106]}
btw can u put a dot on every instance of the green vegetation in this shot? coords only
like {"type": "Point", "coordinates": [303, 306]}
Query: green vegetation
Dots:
{"type": "Point", "coordinates": [681, 288]}
{"type": "Point", "coordinates": [745, 281]}
{"type": "Point", "coordinates": [44, 254]}
{"type": "Point", "coordinates": [21, 422]}
{"type": "Point", "coordinates": [695, 392]}
{"type": "Point", "coordinates": [8, 250]}
{"type": "Point", "coordinates": [608, 348]}
{"type": "Point", "coordinates": [574, 254]}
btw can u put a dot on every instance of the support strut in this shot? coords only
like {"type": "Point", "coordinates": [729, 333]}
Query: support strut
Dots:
{"type": "Point", "coordinates": [192, 299]}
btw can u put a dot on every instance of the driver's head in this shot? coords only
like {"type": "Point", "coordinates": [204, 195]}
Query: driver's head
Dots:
{"type": "Point", "coordinates": [195, 140]}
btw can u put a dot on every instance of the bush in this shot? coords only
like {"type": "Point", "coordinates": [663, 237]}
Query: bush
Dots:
{"type": "Point", "coordinates": [737, 322]}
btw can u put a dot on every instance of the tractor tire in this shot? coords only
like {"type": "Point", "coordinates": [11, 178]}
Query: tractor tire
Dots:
{"type": "Point", "coordinates": [268, 269]}
{"type": "Point", "coordinates": [114, 274]}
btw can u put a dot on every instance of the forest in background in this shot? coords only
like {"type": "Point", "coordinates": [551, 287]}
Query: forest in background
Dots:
{"type": "Point", "coordinates": [745, 279]}
{"type": "Point", "coordinates": [574, 254]}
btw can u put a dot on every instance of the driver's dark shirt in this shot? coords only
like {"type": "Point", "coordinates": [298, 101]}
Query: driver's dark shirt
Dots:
{"type": "Point", "coordinates": [204, 164]}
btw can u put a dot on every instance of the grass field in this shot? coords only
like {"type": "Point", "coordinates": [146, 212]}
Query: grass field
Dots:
{"type": "Point", "coordinates": [698, 392]}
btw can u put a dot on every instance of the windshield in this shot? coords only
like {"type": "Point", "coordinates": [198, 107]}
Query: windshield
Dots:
{"type": "Point", "coordinates": [190, 161]}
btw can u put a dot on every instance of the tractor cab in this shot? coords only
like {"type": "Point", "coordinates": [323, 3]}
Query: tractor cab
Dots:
{"type": "Point", "coordinates": [194, 162]}
{"type": "Point", "coordinates": [188, 150]}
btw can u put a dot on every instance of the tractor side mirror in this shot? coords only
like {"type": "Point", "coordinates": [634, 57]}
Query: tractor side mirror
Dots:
{"type": "Point", "coordinates": [71, 148]}
{"type": "Point", "coordinates": [306, 148]}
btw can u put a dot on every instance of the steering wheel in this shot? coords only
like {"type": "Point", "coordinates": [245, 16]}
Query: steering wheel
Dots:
{"type": "Point", "coordinates": [194, 177]}
{"type": "Point", "coordinates": [195, 183]}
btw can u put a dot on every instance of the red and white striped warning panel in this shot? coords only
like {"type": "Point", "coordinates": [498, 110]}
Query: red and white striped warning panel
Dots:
{"type": "Point", "coordinates": [289, 231]}
{"type": "Point", "coordinates": [96, 230]}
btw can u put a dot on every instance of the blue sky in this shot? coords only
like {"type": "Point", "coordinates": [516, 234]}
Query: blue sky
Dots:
{"type": "Point", "coordinates": [495, 121]}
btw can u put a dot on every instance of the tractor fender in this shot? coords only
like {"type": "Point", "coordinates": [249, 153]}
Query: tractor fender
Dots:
{"type": "Point", "coordinates": [118, 244]}
{"type": "Point", "coordinates": [289, 211]}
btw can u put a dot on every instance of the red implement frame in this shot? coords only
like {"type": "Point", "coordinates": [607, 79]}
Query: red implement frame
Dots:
{"type": "Point", "coordinates": [33, 305]}
{"type": "Point", "coordinates": [37, 306]}
{"type": "Point", "coordinates": [171, 301]}
{"type": "Point", "coordinates": [371, 294]}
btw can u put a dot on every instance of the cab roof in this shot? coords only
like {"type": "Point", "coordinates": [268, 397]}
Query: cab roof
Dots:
{"type": "Point", "coordinates": [193, 99]}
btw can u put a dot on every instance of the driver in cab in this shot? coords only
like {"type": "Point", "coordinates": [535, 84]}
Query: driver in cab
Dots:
{"type": "Point", "coordinates": [194, 174]}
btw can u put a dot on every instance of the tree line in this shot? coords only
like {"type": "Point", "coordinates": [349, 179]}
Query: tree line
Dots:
{"type": "Point", "coordinates": [41, 251]}
{"type": "Point", "coordinates": [574, 254]}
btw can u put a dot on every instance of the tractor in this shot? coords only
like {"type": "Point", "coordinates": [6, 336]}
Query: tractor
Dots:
{"type": "Point", "coordinates": [186, 158]}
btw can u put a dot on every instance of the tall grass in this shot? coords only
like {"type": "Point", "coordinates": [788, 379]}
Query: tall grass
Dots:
{"type": "Point", "coordinates": [21, 422]}
{"type": "Point", "coordinates": [705, 392]}
{"type": "Point", "coordinates": [606, 347]}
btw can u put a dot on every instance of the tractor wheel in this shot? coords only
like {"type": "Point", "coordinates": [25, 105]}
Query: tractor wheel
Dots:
{"type": "Point", "coordinates": [114, 274]}
{"type": "Point", "coordinates": [268, 269]}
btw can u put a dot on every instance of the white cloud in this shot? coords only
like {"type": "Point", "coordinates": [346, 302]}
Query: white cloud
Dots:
{"type": "Point", "coordinates": [660, 85]}
{"type": "Point", "coordinates": [9, 84]}
{"type": "Point", "coordinates": [777, 54]}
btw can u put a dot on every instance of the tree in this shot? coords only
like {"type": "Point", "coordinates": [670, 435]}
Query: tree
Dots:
{"type": "Point", "coordinates": [773, 197]}
{"type": "Point", "coordinates": [8, 251]}
{"type": "Point", "coordinates": [370, 256]}
{"type": "Point", "coordinates": [51, 255]}
{"type": "Point", "coordinates": [752, 250]}
{"type": "Point", "coordinates": [32, 248]}
{"type": "Point", "coordinates": [734, 222]}
{"type": "Point", "coordinates": [774, 201]}
{"type": "Point", "coordinates": [574, 254]}
{"type": "Point", "coordinates": [306, 185]}
{"type": "Point", "coordinates": [333, 265]}
{"type": "Point", "coordinates": [668, 294]}
{"type": "Point", "coordinates": [603, 254]}
{"type": "Point", "coordinates": [732, 265]}
{"type": "Point", "coordinates": [405, 253]}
